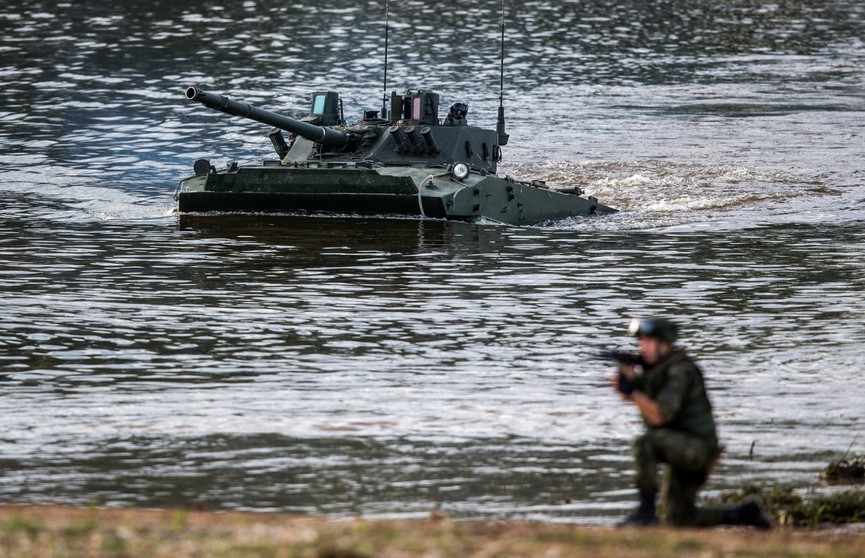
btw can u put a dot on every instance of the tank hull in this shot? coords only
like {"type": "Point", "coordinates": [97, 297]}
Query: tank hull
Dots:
{"type": "Point", "coordinates": [408, 191]}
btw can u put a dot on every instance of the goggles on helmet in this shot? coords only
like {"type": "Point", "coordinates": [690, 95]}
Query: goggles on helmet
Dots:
{"type": "Point", "coordinates": [653, 327]}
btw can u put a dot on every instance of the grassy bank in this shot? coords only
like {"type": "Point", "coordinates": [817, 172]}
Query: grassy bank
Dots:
{"type": "Point", "coordinates": [42, 532]}
{"type": "Point", "coordinates": [792, 507]}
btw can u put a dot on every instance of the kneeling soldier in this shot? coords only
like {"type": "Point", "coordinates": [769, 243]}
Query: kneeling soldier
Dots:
{"type": "Point", "coordinates": [680, 431]}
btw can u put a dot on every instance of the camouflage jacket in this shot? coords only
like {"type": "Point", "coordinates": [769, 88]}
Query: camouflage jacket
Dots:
{"type": "Point", "coordinates": [676, 384]}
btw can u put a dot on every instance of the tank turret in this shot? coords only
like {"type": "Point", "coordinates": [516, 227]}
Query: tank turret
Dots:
{"type": "Point", "coordinates": [414, 135]}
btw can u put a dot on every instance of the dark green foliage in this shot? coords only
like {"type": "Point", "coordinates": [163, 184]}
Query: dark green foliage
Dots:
{"type": "Point", "coordinates": [845, 469]}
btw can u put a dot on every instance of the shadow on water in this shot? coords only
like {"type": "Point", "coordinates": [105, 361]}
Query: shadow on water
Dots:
{"type": "Point", "coordinates": [358, 233]}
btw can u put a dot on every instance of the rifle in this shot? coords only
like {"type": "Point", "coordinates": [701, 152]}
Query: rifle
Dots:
{"type": "Point", "coordinates": [626, 384]}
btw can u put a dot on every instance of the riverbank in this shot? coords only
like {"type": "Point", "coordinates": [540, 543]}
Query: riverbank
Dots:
{"type": "Point", "coordinates": [55, 531]}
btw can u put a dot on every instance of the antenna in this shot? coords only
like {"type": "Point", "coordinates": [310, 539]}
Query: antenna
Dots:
{"type": "Point", "coordinates": [384, 90]}
{"type": "Point", "coordinates": [500, 125]}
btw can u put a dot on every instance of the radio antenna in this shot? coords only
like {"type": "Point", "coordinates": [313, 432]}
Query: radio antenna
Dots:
{"type": "Point", "coordinates": [500, 125]}
{"type": "Point", "coordinates": [384, 90]}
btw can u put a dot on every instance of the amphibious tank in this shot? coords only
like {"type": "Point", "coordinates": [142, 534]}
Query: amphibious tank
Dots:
{"type": "Point", "coordinates": [409, 162]}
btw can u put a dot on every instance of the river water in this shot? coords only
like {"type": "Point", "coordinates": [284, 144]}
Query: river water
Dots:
{"type": "Point", "coordinates": [387, 367]}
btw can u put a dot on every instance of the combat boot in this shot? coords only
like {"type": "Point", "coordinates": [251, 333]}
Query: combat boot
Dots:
{"type": "Point", "coordinates": [746, 513]}
{"type": "Point", "coordinates": [645, 515]}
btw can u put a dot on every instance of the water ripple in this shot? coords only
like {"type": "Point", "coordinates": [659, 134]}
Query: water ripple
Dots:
{"type": "Point", "coordinates": [387, 367]}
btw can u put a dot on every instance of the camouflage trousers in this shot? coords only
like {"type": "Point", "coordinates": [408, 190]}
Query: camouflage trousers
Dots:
{"type": "Point", "coordinates": [687, 458]}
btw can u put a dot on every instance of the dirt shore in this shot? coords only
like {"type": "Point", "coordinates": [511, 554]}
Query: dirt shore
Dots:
{"type": "Point", "coordinates": [57, 531]}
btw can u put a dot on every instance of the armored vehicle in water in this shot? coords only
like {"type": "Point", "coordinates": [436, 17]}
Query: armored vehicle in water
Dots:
{"type": "Point", "coordinates": [410, 163]}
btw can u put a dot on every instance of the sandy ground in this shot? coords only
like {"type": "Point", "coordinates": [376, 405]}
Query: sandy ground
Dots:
{"type": "Point", "coordinates": [49, 531]}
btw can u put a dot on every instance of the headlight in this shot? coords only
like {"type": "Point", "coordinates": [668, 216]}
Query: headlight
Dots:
{"type": "Point", "coordinates": [461, 171]}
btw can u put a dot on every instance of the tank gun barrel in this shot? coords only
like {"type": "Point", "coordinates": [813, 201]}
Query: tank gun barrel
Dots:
{"type": "Point", "coordinates": [319, 134]}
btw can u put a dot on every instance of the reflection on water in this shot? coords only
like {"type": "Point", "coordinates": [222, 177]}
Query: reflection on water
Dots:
{"type": "Point", "coordinates": [386, 367]}
{"type": "Point", "coordinates": [346, 366]}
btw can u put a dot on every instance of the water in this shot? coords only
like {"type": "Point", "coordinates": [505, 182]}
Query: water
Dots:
{"type": "Point", "coordinates": [389, 367]}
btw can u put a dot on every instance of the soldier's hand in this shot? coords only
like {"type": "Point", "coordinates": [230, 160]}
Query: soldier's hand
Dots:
{"type": "Point", "coordinates": [626, 385]}
{"type": "Point", "coordinates": [623, 385]}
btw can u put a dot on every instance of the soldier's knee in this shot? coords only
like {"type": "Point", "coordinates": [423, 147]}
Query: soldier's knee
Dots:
{"type": "Point", "coordinates": [645, 441]}
{"type": "Point", "coordinates": [691, 458]}
{"type": "Point", "coordinates": [643, 446]}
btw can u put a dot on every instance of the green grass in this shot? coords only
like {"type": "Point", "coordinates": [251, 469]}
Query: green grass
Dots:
{"type": "Point", "coordinates": [22, 525]}
{"type": "Point", "coordinates": [845, 469]}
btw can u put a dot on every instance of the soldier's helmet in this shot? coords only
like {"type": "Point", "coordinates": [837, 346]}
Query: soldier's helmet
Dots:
{"type": "Point", "coordinates": [660, 328]}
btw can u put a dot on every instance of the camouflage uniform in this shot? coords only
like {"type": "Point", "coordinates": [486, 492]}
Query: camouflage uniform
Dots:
{"type": "Point", "coordinates": [686, 442]}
